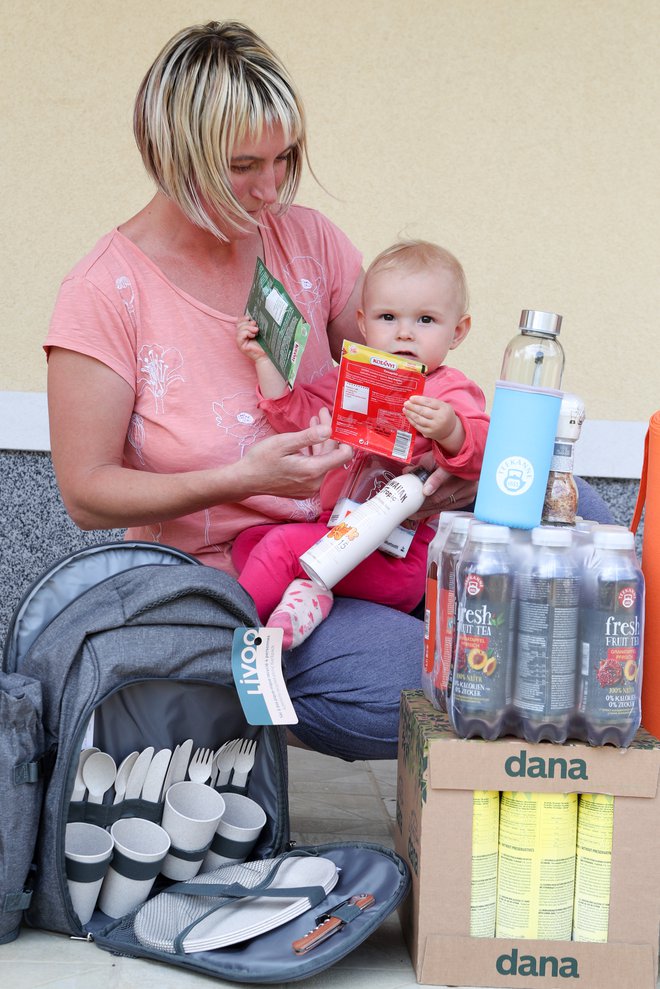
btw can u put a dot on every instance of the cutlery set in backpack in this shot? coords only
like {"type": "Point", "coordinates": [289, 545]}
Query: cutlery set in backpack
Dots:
{"type": "Point", "coordinates": [186, 861]}
{"type": "Point", "coordinates": [145, 776]}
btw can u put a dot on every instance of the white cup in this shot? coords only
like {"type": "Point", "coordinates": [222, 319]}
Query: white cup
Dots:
{"type": "Point", "coordinates": [237, 832]}
{"type": "Point", "coordinates": [140, 847]}
{"type": "Point", "coordinates": [87, 852]}
{"type": "Point", "coordinates": [190, 816]}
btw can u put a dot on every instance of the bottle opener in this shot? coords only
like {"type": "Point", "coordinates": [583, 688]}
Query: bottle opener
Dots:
{"type": "Point", "coordinates": [332, 921]}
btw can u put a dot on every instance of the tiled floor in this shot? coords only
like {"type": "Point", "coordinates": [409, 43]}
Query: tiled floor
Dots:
{"type": "Point", "coordinates": [330, 801]}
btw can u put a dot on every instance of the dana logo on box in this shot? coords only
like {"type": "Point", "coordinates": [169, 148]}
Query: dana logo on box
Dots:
{"type": "Point", "coordinates": [562, 968]}
{"type": "Point", "coordinates": [536, 767]}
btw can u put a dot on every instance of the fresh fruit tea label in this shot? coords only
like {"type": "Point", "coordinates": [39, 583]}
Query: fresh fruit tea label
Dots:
{"type": "Point", "coordinates": [430, 617]}
{"type": "Point", "coordinates": [611, 641]}
{"type": "Point", "coordinates": [546, 645]}
{"type": "Point", "coordinates": [481, 674]}
{"type": "Point", "coordinates": [446, 633]}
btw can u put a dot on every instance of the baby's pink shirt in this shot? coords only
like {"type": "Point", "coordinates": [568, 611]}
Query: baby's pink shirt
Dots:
{"type": "Point", "coordinates": [195, 393]}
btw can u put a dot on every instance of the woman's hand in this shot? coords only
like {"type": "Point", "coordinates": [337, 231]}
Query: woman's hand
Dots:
{"type": "Point", "coordinates": [445, 492]}
{"type": "Point", "coordinates": [90, 410]}
{"type": "Point", "coordinates": [293, 465]}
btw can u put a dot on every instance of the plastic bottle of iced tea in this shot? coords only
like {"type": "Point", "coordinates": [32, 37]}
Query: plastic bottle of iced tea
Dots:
{"type": "Point", "coordinates": [446, 628]}
{"type": "Point", "coordinates": [548, 596]}
{"type": "Point", "coordinates": [611, 639]}
{"type": "Point", "coordinates": [431, 606]}
{"type": "Point", "coordinates": [479, 692]}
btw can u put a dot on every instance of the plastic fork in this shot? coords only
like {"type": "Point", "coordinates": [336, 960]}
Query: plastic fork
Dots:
{"type": "Point", "coordinates": [201, 765]}
{"type": "Point", "coordinates": [244, 762]}
{"type": "Point", "coordinates": [224, 761]}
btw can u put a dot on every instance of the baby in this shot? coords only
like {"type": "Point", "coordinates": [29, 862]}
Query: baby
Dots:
{"type": "Point", "coordinates": [414, 304]}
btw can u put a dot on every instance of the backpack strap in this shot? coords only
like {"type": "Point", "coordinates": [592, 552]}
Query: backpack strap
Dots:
{"type": "Point", "coordinates": [28, 772]}
{"type": "Point", "coordinates": [19, 899]}
{"type": "Point", "coordinates": [232, 891]}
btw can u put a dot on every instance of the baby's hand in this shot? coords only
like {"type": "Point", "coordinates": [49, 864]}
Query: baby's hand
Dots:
{"type": "Point", "coordinates": [437, 421]}
{"type": "Point", "coordinates": [430, 417]}
{"type": "Point", "coordinates": [246, 332]}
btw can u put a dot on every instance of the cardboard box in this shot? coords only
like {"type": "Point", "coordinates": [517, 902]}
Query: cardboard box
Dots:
{"type": "Point", "coordinates": [437, 774]}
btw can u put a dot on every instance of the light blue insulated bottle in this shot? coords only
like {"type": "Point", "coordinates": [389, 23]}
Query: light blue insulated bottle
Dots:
{"type": "Point", "coordinates": [523, 424]}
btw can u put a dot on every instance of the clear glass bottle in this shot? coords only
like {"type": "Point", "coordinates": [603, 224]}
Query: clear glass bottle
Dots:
{"type": "Point", "coordinates": [535, 356]}
{"type": "Point", "coordinates": [611, 639]}
{"type": "Point", "coordinates": [479, 692]}
{"type": "Point", "coordinates": [548, 597]}
{"type": "Point", "coordinates": [561, 495]}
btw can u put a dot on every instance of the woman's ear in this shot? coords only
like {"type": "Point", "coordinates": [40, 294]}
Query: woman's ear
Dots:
{"type": "Point", "coordinates": [461, 331]}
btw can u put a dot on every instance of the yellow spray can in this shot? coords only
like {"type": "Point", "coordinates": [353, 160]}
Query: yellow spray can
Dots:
{"type": "Point", "coordinates": [485, 831]}
{"type": "Point", "coordinates": [593, 867]}
{"type": "Point", "coordinates": [536, 865]}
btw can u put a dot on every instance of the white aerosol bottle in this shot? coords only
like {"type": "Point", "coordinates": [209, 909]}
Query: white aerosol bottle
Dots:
{"type": "Point", "coordinates": [364, 529]}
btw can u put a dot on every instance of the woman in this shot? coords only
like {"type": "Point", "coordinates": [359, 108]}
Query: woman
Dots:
{"type": "Point", "coordinates": [154, 422]}
{"type": "Point", "coordinates": [153, 414]}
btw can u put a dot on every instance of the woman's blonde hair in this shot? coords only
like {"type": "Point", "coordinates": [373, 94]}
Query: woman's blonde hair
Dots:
{"type": "Point", "coordinates": [210, 87]}
{"type": "Point", "coordinates": [416, 255]}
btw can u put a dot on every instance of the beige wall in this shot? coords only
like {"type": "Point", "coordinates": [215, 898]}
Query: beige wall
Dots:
{"type": "Point", "coordinates": [522, 134]}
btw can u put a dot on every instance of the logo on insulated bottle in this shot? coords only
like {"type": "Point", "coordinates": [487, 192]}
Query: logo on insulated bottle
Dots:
{"type": "Point", "coordinates": [514, 475]}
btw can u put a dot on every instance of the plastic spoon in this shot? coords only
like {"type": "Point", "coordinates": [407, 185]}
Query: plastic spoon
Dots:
{"type": "Point", "coordinates": [99, 773]}
{"type": "Point", "coordinates": [123, 773]}
{"type": "Point", "coordinates": [79, 785]}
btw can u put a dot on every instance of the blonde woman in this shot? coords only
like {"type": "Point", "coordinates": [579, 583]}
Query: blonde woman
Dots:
{"type": "Point", "coordinates": [154, 419]}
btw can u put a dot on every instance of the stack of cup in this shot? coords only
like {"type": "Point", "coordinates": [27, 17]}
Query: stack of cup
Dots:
{"type": "Point", "coordinates": [237, 832]}
{"type": "Point", "coordinates": [87, 853]}
{"type": "Point", "coordinates": [140, 848]}
{"type": "Point", "coordinates": [191, 814]}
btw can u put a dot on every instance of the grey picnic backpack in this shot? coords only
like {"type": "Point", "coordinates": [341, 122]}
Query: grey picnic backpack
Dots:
{"type": "Point", "coordinates": [129, 651]}
{"type": "Point", "coordinates": [23, 748]}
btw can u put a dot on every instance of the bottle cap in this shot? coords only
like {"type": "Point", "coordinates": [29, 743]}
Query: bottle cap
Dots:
{"type": "Point", "coordinates": [613, 537]}
{"type": "Point", "coordinates": [421, 473]}
{"type": "Point", "coordinates": [485, 532]}
{"type": "Point", "coordinates": [536, 321]}
{"type": "Point", "coordinates": [544, 535]}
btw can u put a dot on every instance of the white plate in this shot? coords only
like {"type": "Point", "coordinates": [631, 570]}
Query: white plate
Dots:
{"type": "Point", "coordinates": [161, 919]}
{"type": "Point", "coordinates": [153, 782]}
{"type": "Point", "coordinates": [138, 774]}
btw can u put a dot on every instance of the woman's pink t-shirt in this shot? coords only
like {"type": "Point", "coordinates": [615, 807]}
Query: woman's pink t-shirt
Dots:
{"type": "Point", "coordinates": [196, 402]}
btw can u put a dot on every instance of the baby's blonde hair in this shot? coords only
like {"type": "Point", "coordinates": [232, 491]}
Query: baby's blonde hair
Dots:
{"type": "Point", "coordinates": [417, 255]}
{"type": "Point", "coordinates": [210, 87]}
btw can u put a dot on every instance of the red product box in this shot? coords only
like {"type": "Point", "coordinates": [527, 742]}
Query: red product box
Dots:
{"type": "Point", "coordinates": [371, 390]}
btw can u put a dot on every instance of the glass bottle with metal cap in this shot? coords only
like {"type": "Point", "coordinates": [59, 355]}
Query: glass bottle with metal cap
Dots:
{"type": "Point", "coordinates": [535, 356]}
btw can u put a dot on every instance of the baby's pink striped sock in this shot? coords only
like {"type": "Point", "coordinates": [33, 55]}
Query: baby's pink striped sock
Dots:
{"type": "Point", "coordinates": [304, 605]}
